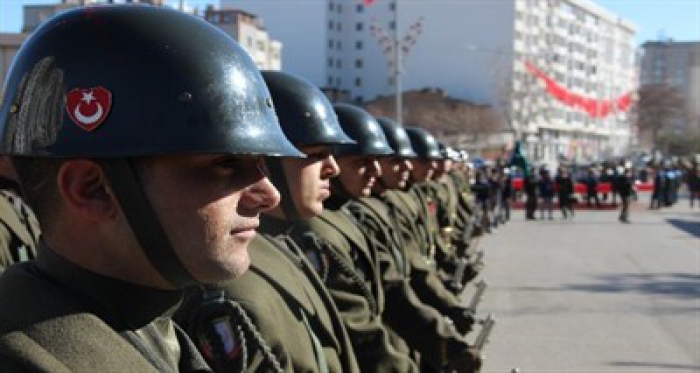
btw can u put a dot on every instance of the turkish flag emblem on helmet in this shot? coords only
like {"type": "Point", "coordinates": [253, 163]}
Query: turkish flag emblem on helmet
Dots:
{"type": "Point", "coordinates": [89, 107]}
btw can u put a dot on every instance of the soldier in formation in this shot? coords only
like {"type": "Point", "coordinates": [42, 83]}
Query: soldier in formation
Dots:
{"type": "Point", "coordinates": [143, 182]}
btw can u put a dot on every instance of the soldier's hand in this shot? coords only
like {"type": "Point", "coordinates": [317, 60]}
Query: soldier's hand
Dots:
{"type": "Point", "coordinates": [463, 320]}
{"type": "Point", "coordinates": [469, 361]}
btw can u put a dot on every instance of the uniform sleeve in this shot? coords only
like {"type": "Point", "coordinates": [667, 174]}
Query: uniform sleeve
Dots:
{"type": "Point", "coordinates": [422, 327]}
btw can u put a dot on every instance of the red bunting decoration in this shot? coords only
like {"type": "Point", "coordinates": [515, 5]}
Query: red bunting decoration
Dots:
{"type": "Point", "coordinates": [593, 107]}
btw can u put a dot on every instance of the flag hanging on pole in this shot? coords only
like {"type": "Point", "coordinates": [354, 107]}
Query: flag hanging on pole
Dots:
{"type": "Point", "coordinates": [368, 2]}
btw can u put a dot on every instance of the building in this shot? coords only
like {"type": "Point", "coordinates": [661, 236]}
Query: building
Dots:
{"type": "Point", "coordinates": [560, 71]}
{"type": "Point", "coordinates": [676, 64]}
{"type": "Point", "coordinates": [250, 32]}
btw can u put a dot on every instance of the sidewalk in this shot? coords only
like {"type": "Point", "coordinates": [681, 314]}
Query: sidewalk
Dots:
{"type": "Point", "coordinates": [593, 295]}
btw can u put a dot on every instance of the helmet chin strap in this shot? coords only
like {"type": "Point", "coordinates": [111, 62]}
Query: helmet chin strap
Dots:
{"type": "Point", "coordinates": [279, 180]}
{"type": "Point", "coordinates": [144, 222]}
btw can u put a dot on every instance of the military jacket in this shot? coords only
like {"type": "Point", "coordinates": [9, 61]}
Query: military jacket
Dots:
{"type": "Point", "coordinates": [354, 282]}
{"type": "Point", "coordinates": [424, 280]}
{"type": "Point", "coordinates": [292, 312]}
{"type": "Point", "coordinates": [420, 325]}
{"type": "Point", "coordinates": [19, 229]}
{"type": "Point", "coordinates": [59, 318]}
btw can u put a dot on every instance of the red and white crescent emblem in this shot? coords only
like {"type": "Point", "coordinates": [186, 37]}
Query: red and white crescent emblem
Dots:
{"type": "Point", "coordinates": [89, 107]}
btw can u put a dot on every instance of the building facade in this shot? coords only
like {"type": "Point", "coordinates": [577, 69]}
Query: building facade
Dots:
{"type": "Point", "coordinates": [560, 71]}
{"type": "Point", "coordinates": [250, 32]}
{"type": "Point", "coordinates": [676, 64]}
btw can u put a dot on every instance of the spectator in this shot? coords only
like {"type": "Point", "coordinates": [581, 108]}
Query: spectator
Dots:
{"type": "Point", "coordinates": [565, 192]}
{"type": "Point", "coordinates": [546, 189]}
{"type": "Point", "coordinates": [592, 188]}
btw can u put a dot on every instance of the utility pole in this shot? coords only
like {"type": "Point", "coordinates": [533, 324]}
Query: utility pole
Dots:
{"type": "Point", "coordinates": [397, 65]}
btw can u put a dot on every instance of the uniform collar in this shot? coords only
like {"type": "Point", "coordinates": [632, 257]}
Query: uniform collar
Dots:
{"type": "Point", "coordinates": [120, 304]}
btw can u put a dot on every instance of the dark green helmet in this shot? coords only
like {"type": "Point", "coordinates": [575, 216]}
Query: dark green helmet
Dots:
{"type": "Point", "coordinates": [424, 144]}
{"type": "Point", "coordinates": [397, 137]}
{"type": "Point", "coordinates": [304, 112]}
{"type": "Point", "coordinates": [363, 128]}
{"type": "Point", "coordinates": [118, 81]}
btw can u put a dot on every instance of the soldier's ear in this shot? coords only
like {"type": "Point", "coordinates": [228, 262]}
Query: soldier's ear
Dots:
{"type": "Point", "coordinates": [86, 191]}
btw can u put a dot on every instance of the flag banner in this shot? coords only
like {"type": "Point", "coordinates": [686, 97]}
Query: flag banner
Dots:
{"type": "Point", "coordinates": [595, 108]}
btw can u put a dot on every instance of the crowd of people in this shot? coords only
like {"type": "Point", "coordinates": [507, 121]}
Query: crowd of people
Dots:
{"type": "Point", "coordinates": [165, 212]}
{"type": "Point", "coordinates": [495, 190]}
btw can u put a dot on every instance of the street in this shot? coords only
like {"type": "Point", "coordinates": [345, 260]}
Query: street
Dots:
{"type": "Point", "coordinates": [594, 295]}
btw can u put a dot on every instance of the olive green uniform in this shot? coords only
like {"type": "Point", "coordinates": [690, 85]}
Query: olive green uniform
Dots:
{"type": "Point", "coordinates": [19, 229]}
{"type": "Point", "coordinates": [57, 317]}
{"type": "Point", "coordinates": [420, 325]}
{"type": "Point", "coordinates": [291, 310]}
{"type": "Point", "coordinates": [354, 281]}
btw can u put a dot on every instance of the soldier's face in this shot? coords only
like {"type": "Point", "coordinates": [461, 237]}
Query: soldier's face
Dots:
{"type": "Point", "coordinates": [423, 170]}
{"type": "Point", "coordinates": [209, 207]}
{"type": "Point", "coordinates": [358, 174]}
{"type": "Point", "coordinates": [395, 172]}
{"type": "Point", "coordinates": [309, 179]}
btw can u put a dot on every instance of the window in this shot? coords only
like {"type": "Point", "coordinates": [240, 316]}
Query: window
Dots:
{"type": "Point", "coordinates": [392, 6]}
{"type": "Point", "coordinates": [331, 6]}
{"type": "Point", "coordinates": [340, 8]}
{"type": "Point", "coordinates": [330, 81]}
{"type": "Point", "coordinates": [339, 45]}
{"type": "Point", "coordinates": [358, 44]}
{"type": "Point", "coordinates": [330, 62]}
{"type": "Point", "coordinates": [338, 63]}
{"type": "Point", "coordinates": [330, 44]}
{"type": "Point", "coordinates": [330, 25]}
{"type": "Point", "coordinates": [358, 63]}
{"type": "Point", "coordinates": [360, 8]}
{"type": "Point", "coordinates": [337, 82]}
{"type": "Point", "coordinates": [392, 25]}
{"type": "Point", "coordinates": [358, 83]}
{"type": "Point", "coordinates": [359, 26]}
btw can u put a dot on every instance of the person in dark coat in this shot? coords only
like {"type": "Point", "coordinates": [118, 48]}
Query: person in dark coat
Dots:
{"type": "Point", "coordinates": [592, 188]}
{"type": "Point", "coordinates": [565, 192]}
{"type": "Point", "coordinates": [546, 189]}
{"type": "Point", "coordinates": [530, 188]}
{"type": "Point", "coordinates": [625, 191]}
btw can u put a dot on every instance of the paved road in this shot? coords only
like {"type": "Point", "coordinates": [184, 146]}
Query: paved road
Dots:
{"type": "Point", "coordinates": [595, 295]}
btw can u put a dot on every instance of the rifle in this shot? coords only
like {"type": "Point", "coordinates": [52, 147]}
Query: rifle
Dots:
{"type": "Point", "coordinates": [487, 325]}
{"type": "Point", "coordinates": [476, 298]}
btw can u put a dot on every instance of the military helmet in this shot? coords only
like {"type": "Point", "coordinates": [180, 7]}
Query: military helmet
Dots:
{"type": "Point", "coordinates": [121, 81]}
{"type": "Point", "coordinates": [118, 81]}
{"type": "Point", "coordinates": [363, 128]}
{"type": "Point", "coordinates": [423, 143]}
{"type": "Point", "coordinates": [397, 138]}
{"type": "Point", "coordinates": [304, 112]}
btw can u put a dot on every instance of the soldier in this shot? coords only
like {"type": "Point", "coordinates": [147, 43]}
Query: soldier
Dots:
{"type": "Point", "coordinates": [353, 271]}
{"type": "Point", "coordinates": [297, 325]}
{"type": "Point", "coordinates": [19, 229]}
{"type": "Point", "coordinates": [420, 326]}
{"type": "Point", "coordinates": [143, 163]}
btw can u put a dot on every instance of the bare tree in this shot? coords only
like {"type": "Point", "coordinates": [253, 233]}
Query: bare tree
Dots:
{"type": "Point", "coordinates": [659, 106]}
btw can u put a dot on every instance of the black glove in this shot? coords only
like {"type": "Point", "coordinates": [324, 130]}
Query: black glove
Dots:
{"type": "Point", "coordinates": [469, 361]}
{"type": "Point", "coordinates": [463, 319]}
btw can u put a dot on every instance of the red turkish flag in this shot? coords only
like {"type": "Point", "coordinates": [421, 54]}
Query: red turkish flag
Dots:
{"type": "Point", "coordinates": [368, 2]}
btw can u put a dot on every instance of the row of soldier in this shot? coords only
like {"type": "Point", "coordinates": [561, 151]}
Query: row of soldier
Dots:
{"type": "Point", "coordinates": [302, 236]}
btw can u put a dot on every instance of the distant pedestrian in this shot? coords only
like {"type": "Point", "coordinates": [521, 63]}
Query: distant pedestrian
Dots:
{"type": "Point", "coordinates": [694, 185]}
{"type": "Point", "coordinates": [658, 192]}
{"type": "Point", "coordinates": [565, 192]}
{"type": "Point", "coordinates": [546, 189]}
{"type": "Point", "coordinates": [592, 188]}
{"type": "Point", "coordinates": [625, 190]}
{"type": "Point", "coordinates": [530, 188]}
